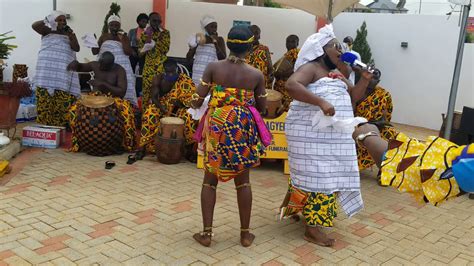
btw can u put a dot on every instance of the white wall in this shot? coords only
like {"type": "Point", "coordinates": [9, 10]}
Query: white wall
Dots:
{"type": "Point", "coordinates": [182, 19]}
{"type": "Point", "coordinates": [419, 77]}
{"type": "Point", "coordinates": [86, 16]}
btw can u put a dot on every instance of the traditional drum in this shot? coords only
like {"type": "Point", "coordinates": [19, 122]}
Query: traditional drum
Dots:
{"type": "Point", "coordinates": [283, 68]}
{"type": "Point", "coordinates": [172, 128]}
{"type": "Point", "coordinates": [168, 150]}
{"type": "Point", "coordinates": [274, 104]}
{"type": "Point", "coordinates": [99, 126]}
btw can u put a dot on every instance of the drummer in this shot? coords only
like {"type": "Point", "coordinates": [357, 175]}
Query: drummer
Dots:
{"type": "Point", "coordinates": [109, 79]}
{"type": "Point", "coordinates": [281, 74]}
{"type": "Point", "coordinates": [171, 96]}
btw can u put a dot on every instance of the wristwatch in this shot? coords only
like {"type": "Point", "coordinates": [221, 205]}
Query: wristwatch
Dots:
{"type": "Point", "coordinates": [363, 136]}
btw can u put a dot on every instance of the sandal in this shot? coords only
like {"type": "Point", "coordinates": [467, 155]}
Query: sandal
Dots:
{"type": "Point", "coordinates": [109, 165]}
{"type": "Point", "coordinates": [139, 155]}
{"type": "Point", "coordinates": [131, 159]}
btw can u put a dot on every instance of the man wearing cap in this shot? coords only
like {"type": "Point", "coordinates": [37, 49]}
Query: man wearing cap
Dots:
{"type": "Point", "coordinates": [205, 48]}
{"type": "Point", "coordinates": [118, 43]}
{"type": "Point", "coordinates": [154, 44]}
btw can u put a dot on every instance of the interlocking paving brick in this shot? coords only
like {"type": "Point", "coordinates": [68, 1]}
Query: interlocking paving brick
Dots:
{"type": "Point", "coordinates": [147, 213]}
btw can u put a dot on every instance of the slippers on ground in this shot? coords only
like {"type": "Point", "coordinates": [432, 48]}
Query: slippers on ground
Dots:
{"type": "Point", "coordinates": [140, 155]}
{"type": "Point", "coordinates": [131, 159]}
{"type": "Point", "coordinates": [109, 165]}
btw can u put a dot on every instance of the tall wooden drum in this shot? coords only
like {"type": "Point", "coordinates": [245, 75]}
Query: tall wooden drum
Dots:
{"type": "Point", "coordinates": [274, 103]}
{"type": "Point", "coordinates": [172, 128]}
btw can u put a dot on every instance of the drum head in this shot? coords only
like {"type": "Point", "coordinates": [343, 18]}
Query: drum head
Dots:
{"type": "Point", "coordinates": [96, 101]}
{"type": "Point", "coordinates": [172, 121]}
{"type": "Point", "coordinates": [274, 95]}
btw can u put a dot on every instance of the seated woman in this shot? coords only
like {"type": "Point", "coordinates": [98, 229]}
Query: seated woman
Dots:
{"type": "Point", "coordinates": [376, 106]}
{"type": "Point", "coordinates": [230, 131]}
{"type": "Point", "coordinates": [433, 171]}
{"type": "Point", "coordinates": [103, 125]}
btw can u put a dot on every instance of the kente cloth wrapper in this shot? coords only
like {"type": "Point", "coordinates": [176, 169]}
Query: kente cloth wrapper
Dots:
{"type": "Point", "coordinates": [313, 46]}
{"type": "Point", "coordinates": [324, 160]}
{"type": "Point", "coordinates": [50, 20]}
{"type": "Point", "coordinates": [232, 144]}
{"type": "Point", "coordinates": [426, 169]}
{"type": "Point", "coordinates": [54, 56]}
{"type": "Point", "coordinates": [345, 125]}
{"type": "Point", "coordinates": [116, 48]}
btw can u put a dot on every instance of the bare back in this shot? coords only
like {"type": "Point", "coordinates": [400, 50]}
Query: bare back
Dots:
{"type": "Point", "coordinates": [233, 75]}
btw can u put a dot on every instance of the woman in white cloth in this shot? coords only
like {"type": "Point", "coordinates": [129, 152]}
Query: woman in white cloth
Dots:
{"type": "Point", "coordinates": [117, 42]}
{"type": "Point", "coordinates": [323, 161]}
{"type": "Point", "coordinates": [205, 51]}
{"type": "Point", "coordinates": [56, 88]}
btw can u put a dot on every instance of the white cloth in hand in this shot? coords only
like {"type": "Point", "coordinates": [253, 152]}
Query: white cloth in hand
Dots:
{"type": "Point", "coordinates": [148, 46]}
{"type": "Point", "coordinates": [192, 41]}
{"type": "Point", "coordinates": [90, 41]}
{"type": "Point", "coordinates": [198, 113]}
{"type": "Point", "coordinates": [346, 125]}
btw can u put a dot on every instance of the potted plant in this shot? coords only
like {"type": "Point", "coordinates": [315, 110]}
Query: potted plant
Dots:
{"type": "Point", "coordinates": [10, 92]}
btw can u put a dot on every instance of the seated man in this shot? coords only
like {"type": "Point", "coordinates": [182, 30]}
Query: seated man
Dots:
{"type": "Point", "coordinates": [171, 96]}
{"type": "Point", "coordinates": [432, 171]}
{"type": "Point", "coordinates": [376, 106]}
{"type": "Point", "coordinates": [93, 126]}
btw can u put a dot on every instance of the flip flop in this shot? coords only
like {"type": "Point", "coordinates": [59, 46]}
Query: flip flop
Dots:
{"type": "Point", "coordinates": [109, 165]}
{"type": "Point", "coordinates": [131, 159]}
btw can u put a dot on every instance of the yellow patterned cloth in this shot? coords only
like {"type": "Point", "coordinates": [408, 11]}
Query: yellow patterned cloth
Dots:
{"type": "Point", "coordinates": [154, 60]}
{"type": "Point", "coordinates": [291, 56]}
{"type": "Point", "coordinates": [377, 106]}
{"type": "Point", "coordinates": [181, 92]}
{"type": "Point", "coordinates": [128, 116]}
{"type": "Point", "coordinates": [232, 143]}
{"type": "Point", "coordinates": [53, 110]}
{"type": "Point", "coordinates": [318, 209]}
{"type": "Point", "coordinates": [421, 169]}
{"type": "Point", "coordinates": [260, 58]}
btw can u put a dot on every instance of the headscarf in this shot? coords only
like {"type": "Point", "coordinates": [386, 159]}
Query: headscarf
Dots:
{"type": "Point", "coordinates": [50, 20]}
{"type": "Point", "coordinates": [313, 46]}
{"type": "Point", "coordinates": [206, 20]}
{"type": "Point", "coordinates": [113, 18]}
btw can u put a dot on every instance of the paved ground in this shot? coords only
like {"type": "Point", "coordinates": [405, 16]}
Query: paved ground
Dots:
{"type": "Point", "coordinates": [59, 208]}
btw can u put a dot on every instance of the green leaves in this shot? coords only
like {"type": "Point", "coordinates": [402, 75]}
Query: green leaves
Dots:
{"type": "Point", "coordinates": [362, 46]}
{"type": "Point", "coordinates": [5, 48]}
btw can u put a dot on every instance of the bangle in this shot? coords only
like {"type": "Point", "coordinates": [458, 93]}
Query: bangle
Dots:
{"type": "Point", "coordinates": [196, 97]}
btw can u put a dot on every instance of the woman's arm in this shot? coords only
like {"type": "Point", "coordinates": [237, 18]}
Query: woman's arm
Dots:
{"type": "Point", "coordinates": [73, 43]}
{"type": "Point", "coordinates": [40, 28]}
{"type": "Point", "coordinates": [203, 87]}
{"type": "Point", "coordinates": [296, 87]}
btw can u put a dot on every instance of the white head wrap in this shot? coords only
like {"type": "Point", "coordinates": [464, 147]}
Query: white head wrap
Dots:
{"type": "Point", "coordinates": [112, 18]}
{"type": "Point", "coordinates": [313, 46]}
{"type": "Point", "coordinates": [50, 20]}
{"type": "Point", "coordinates": [206, 20]}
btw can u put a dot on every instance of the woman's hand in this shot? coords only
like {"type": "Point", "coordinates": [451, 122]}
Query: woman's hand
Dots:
{"type": "Point", "coordinates": [327, 108]}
